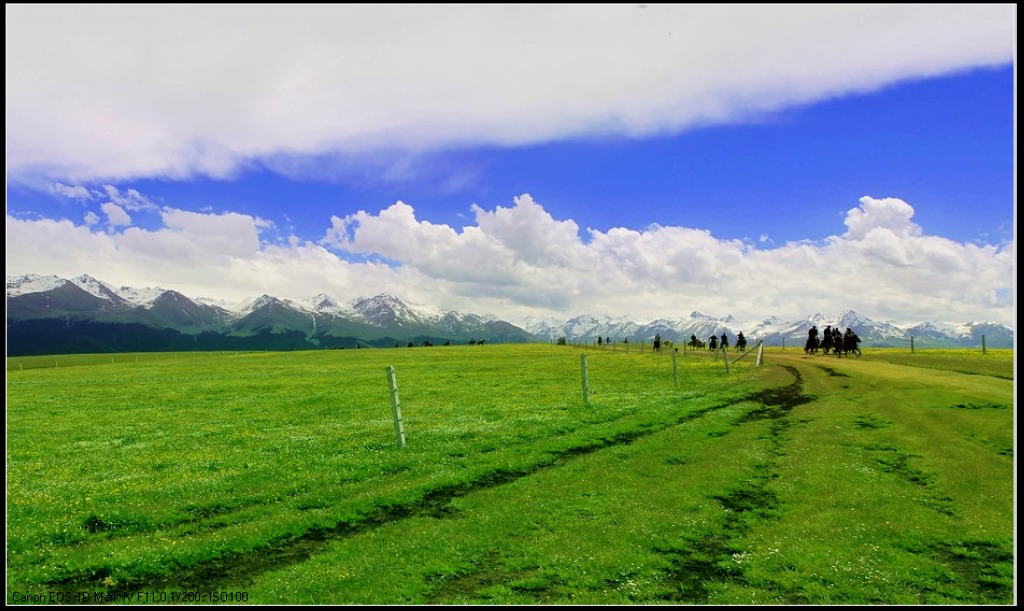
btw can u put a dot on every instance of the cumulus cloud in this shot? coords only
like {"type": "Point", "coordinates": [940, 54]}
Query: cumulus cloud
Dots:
{"type": "Point", "coordinates": [530, 232]}
{"type": "Point", "coordinates": [888, 214]}
{"type": "Point", "coordinates": [520, 261]}
{"type": "Point", "coordinates": [523, 256]}
{"type": "Point", "coordinates": [396, 235]}
{"type": "Point", "coordinates": [207, 255]}
{"type": "Point", "coordinates": [108, 92]}
{"type": "Point", "coordinates": [116, 216]}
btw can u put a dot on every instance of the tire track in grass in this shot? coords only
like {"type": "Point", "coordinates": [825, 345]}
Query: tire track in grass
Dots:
{"type": "Point", "coordinates": [693, 564]}
{"type": "Point", "coordinates": [700, 562]}
{"type": "Point", "coordinates": [983, 568]}
{"type": "Point", "coordinates": [227, 572]}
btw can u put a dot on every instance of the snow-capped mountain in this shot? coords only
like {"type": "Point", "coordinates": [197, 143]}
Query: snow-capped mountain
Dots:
{"type": "Point", "coordinates": [79, 305]}
{"type": "Point", "coordinates": [323, 303]}
{"type": "Point", "coordinates": [35, 283]}
{"type": "Point", "coordinates": [48, 315]}
{"type": "Point", "coordinates": [95, 287]}
{"type": "Point", "coordinates": [32, 283]}
{"type": "Point", "coordinates": [139, 297]}
{"type": "Point", "coordinates": [587, 326]}
{"type": "Point", "coordinates": [249, 306]}
{"type": "Point", "coordinates": [774, 331]}
{"type": "Point", "coordinates": [385, 310]}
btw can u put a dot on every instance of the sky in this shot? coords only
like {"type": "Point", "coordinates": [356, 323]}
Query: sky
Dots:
{"type": "Point", "coordinates": [539, 161]}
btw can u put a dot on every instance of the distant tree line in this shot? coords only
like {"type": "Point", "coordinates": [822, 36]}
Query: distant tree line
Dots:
{"type": "Point", "coordinates": [61, 336]}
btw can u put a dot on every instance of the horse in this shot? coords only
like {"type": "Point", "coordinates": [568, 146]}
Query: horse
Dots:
{"type": "Point", "coordinates": [837, 342]}
{"type": "Point", "coordinates": [850, 344]}
{"type": "Point", "coordinates": [812, 345]}
{"type": "Point", "coordinates": [696, 344]}
{"type": "Point", "coordinates": [826, 342]}
{"type": "Point", "coordinates": [741, 343]}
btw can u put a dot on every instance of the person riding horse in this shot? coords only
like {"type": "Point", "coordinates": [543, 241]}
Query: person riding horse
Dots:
{"type": "Point", "coordinates": [811, 347]}
{"type": "Point", "coordinates": [850, 342]}
{"type": "Point", "coordinates": [826, 339]}
{"type": "Point", "coordinates": [837, 341]}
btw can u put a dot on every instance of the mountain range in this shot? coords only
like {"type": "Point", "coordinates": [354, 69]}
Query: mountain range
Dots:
{"type": "Point", "coordinates": [775, 332]}
{"type": "Point", "coordinates": [52, 315]}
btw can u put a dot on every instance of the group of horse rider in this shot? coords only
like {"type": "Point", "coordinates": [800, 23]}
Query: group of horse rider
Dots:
{"type": "Point", "coordinates": [718, 343]}
{"type": "Point", "coordinates": [714, 342]}
{"type": "Point", "coordinates": [832, 340]}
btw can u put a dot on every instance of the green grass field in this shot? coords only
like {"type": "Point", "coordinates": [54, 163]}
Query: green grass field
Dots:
{"type": "Point", "coordinates": [272, 478]}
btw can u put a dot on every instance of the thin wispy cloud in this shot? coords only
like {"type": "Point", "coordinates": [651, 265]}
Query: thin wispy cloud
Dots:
{"type": "Point", "coordinates": [129, 200]}
{"type": "Point", "coordinates": [77, 192]}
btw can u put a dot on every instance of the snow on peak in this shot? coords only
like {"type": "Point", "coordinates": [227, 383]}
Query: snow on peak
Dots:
{"type": "Point", "coordinates": [321, 301]}
{"type": "Point", "coordinates": [261, 301]}
{"type": "Point", "coordinates": [139, 297]}
{"type": "Point", "coordinates": [388, 309]}
{"type": "Point", "coordinates": [32, 283]}
{"type": "Point", "coordinates": [95, 287]}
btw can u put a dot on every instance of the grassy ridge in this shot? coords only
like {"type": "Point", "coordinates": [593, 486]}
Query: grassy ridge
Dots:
{"type": "Point", "coordinates": [276, 474]}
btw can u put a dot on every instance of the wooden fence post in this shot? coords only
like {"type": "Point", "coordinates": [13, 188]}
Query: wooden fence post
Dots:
{"type": "Point", "coordinates": [393, 386]}
{"type": "Point", "coordinates": [675, 368]}
{"type": "Point", "coordinates": [586, 382]}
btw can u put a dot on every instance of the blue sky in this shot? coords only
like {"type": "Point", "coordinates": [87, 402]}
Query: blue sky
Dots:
{"type": "Point", "coordinates": [524, 160]}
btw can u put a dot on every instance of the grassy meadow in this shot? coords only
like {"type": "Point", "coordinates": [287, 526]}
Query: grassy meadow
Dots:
{"type": "Point", "coordinates": [274, 478]}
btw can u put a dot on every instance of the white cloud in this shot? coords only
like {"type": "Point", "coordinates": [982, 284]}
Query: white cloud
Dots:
{"type": "Point", "coordinates": [114, 92]}
{"type": "Point", "coordinates": [530, 232]}
{"type": "Point", "coordinates": [521, 261]}
{"type": "Point", "coordinates": [116, 216]}
{"type": "Point", "coordinates": [91, 218]}
{"type": "Point", "coordinates": [130, 199]}
{"type": "Point", "coordinates": [71, 192]}
{"type": "Point", "coordinates": [523, 256]}
{"type": "Point", "coordinates": [889, 214]}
